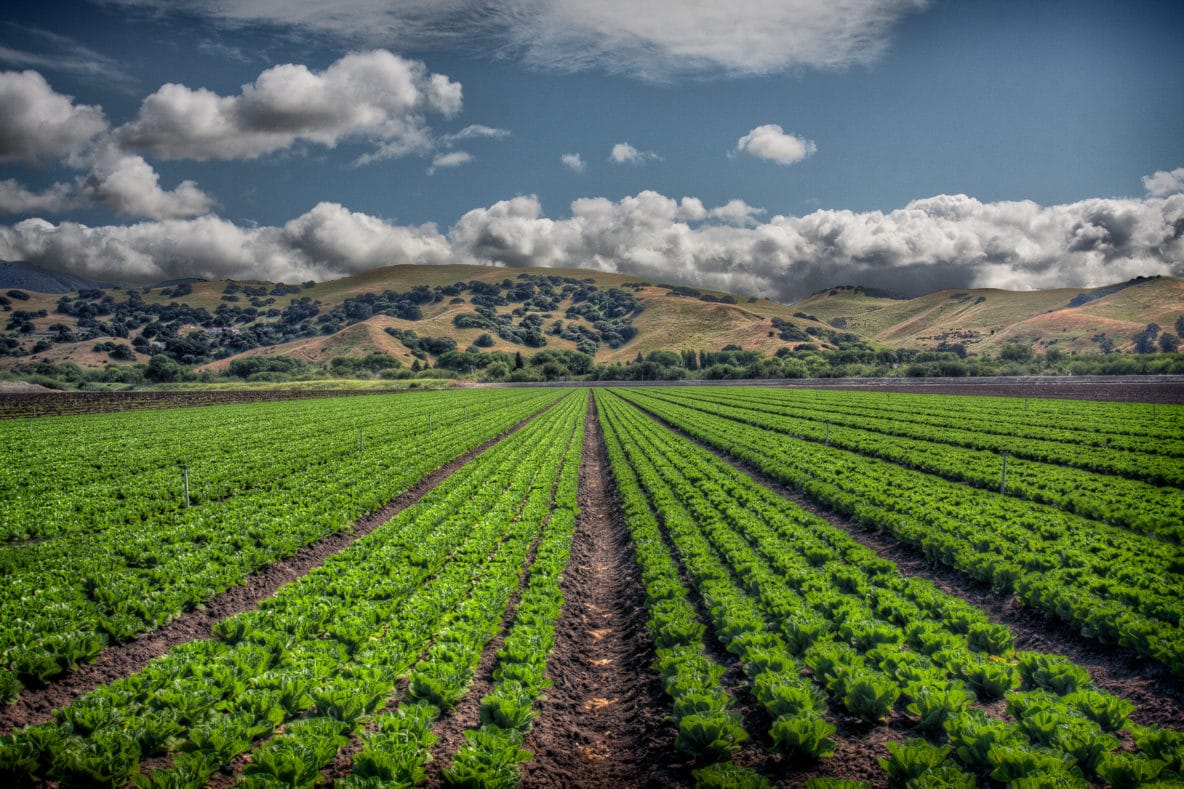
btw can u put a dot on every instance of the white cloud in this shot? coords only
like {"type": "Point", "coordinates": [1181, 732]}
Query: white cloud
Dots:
{"type": "Point", "coordinates": [37, 123]}
{"type": "Point", "coordinates": [16, 199]}
{"type": "Point", "coordinates": [129, 186]}
{"type": "Point", "coordinates": [446, 160]}
{"type": "Point", "coordinates": [125, 183]}
{"type": "Point", "coordinates": [373, 96]}
{"type": "Point", "coordinates": [736, 212]}
{"type": "Point", "coordinates": [347, 242]}
{"type": "Point", "coordinates": [328, 241]}
{"type": "Point", "coordinates": [655, 40]}
{"type": "Point", "coordinates": [771, 142]}
{"type": "Point", "coordinates": [574, 162]}
{"type": "Point", "coordinates": [946, 241]}
{"type": "Point", "coordinates": [55, 52]}
{"type": "Point", "coordinates": [1163, 183]}
{"type": "Point", "coordinates": [624, 153]}
{"type": "Point", "coordinates": [476, 131]}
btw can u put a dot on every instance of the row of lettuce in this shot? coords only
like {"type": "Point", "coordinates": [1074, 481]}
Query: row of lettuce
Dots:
{"type": "Point", "coordinates": [1086, 471]}
{"type": "Point", "coordinates": [1108, 582]}
{"type": "Point", "coordinates": [825, 631]}
{"type": "Point", "coordinates": [313, 676]}
{"type": "Point", "coordinates": [286, 476]}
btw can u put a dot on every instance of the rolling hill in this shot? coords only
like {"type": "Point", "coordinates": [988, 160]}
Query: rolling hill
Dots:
{"type": "Point", "coordinates": [401, 310]}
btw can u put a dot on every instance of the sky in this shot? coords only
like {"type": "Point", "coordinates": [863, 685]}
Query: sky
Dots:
{"type": "Point", "coordinates": [765, 147]}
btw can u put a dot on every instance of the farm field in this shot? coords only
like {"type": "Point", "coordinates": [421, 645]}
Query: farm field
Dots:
{"type": "Point", "coordinates": [651, 586]}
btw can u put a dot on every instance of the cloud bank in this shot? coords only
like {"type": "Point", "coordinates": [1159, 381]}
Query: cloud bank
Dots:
{"type": "Point", "coordinates": [946, 241]}
{"type": "Point", "coordinates": [656, 40]}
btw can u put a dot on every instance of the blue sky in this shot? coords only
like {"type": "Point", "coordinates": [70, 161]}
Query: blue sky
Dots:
{"type": "Point", "coordinates": [772, 148]}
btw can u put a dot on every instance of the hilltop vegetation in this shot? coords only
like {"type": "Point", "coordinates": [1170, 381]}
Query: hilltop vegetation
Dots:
{"type": "Point", "coordinates": [533, 324]}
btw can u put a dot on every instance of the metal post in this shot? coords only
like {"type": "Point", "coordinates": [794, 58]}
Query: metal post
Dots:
{"type": "Point", "coordinates": [185, 480]}
{"type": "Point", "coordinates": [828, 434]}
{"type": "Point", "coordinates": [360, 446]}
{"type": "Point", "coordinates": [1003, 479]}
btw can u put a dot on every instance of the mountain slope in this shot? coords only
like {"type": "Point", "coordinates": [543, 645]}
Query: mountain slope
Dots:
{"type": "Point", "coordinates": [402, 310]}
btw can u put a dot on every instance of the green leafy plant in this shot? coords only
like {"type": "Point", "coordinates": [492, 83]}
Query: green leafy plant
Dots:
{"type": "Point", "coordinates": [912, 759]}
{"type": "Point", "coordinates": [802, 739]}
{"type": "Point", "coordinates": [726, 775]}
{"type": "Point", "coordinates": [870, 697]}
{"type": "Point", "coordinates": [1109, 712]}
{"type": "Point", "coordinates": [933, 705]}
{"type": "Point", "coordinates": [1127, 770]}
{"type": "Point", "coordinates": [509, 706]}
{"type": "Point", "coordinates": [489, 759]}
{"type": "Point", "coordinates": [709, 737]}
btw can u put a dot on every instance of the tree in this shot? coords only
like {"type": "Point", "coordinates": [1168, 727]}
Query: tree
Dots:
{"type": "Point", "coordinates": [163, 369]}
{"type": "Point", "coordinates": [1145, 340]}
{"type": "Point", "coordinates": [1016, 352]}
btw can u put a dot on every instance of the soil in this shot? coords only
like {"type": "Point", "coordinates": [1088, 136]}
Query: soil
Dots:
{"type": "Point", "coordinates": [1159, 695]}
{"type": "Point", "coordinates": [1149, 390]}
{"type": "Point", "coordinates": [122, 660]}
{"type": "Point", "coordinates": [603, 721]}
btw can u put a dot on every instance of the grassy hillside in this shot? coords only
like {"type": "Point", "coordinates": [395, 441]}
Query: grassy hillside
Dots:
{"type": "Point", "coordinates": [984, 320]}
{"type": "Point", "coordinates": [613, 316]}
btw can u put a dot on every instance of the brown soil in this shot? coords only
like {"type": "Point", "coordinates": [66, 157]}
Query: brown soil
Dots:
{"type": "Point", "coordinates": [1159, 695]}
{"type": "Point", "coordinates": [603, 721]}
{"type": "Point", "coordinates": [122, 660]}
{"type": "Point", "coordinates": [1059, 387]}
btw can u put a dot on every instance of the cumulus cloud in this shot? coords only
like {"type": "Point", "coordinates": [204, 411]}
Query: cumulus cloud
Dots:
{"type": "Point", "coordinates": [771, 142]}
{"type": "Point", "coordinates": [329, 241]}
{"type": "Point", "coordinates": [943, 241]}
{"type": "Point", "coordinates": [38, 123]}
{"type": "Point", "coordinates": [374, 96]}
{"type": "Point", "coordinates": [946, 241]}
{"type": "Point", "coordinates": [16, 199]}
{"type": "Point", "coordinates": [624, 153]}
{"type": "Point", "coordinates": [1163, 183]}
{"type": "Point", "coordinates": [446, 160]}
{"type": "Point", "coordinates": [124, 183]}
{"type": "Point", "coordinates": [130, 186]}
{"type": "Point", "coordinates": [573, 161]}
{"type": "Point", "coordinates": [656, 40]}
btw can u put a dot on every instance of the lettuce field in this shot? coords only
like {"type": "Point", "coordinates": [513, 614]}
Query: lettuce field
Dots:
{"type": "Point", "coordinates": [651, 586]}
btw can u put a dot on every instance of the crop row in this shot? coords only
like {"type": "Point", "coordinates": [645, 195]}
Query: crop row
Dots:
{"type": "Point", "coordinates": [397, 750]}
{"type": "Point", "coordinates": [1136, 427]}
{"type": "Point", "coordinates": [80, 475]}
{"type": "Point", "coordinates": [64, 600]}
{"type": "Point", "coordinates": [294, 682]}
{"type": "Point", "coordinates": [792, 597]}
{"type": "Point", "coordinates": [1117, 586]}
{"type": "Point", "coordinates": [1026, 442]}
{"type": "Point", "coordinates": [1119, 501]}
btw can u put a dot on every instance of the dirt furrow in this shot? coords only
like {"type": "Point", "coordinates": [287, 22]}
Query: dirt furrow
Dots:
{"type": "Point", "coordinates": [1158, 695]}
{"type": "Point", "coordinates": [603, 721]}
{"type": "Point", "coordinates": [121, 660]}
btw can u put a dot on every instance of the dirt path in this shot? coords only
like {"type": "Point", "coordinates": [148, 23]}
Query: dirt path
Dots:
{"type": "Point", "coordinates": [1158, 695]}
{"type": "Point", "coordinates": [603, 721]}
{"type": "Point", "coordinates": [122, 660]}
